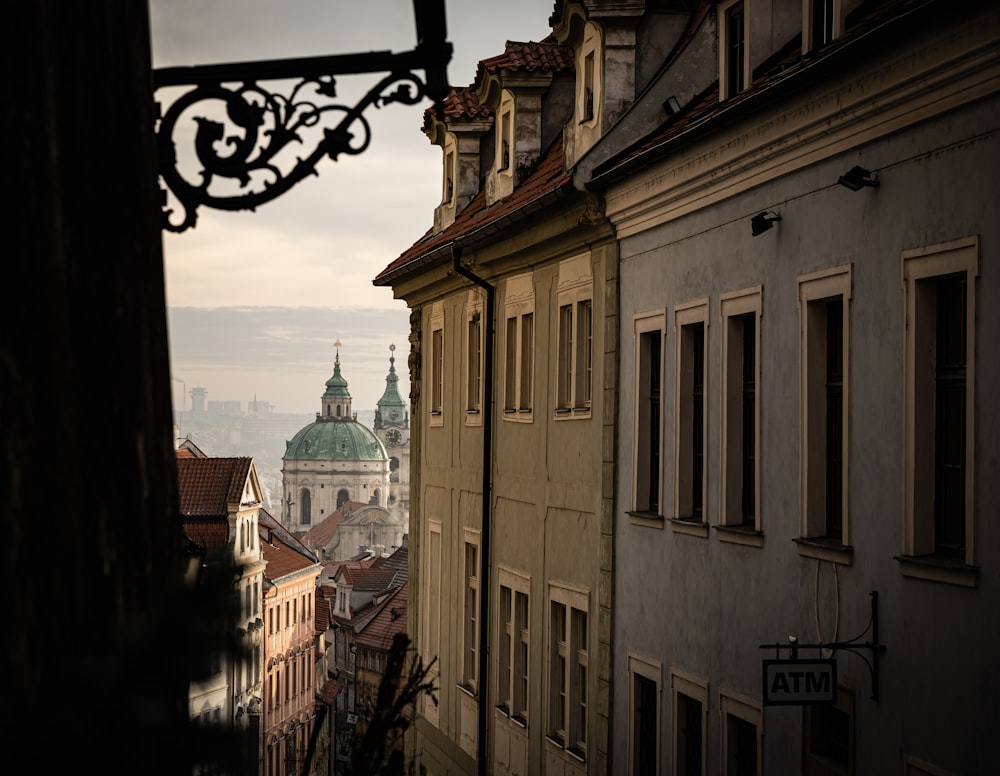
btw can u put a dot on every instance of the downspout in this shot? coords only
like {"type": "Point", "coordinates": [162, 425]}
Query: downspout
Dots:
{"type": "Point", "coordinates": [484, 547]}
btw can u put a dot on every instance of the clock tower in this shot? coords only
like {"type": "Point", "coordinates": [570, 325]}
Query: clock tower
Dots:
{"type": "Point", "coordinates": [392, 426]}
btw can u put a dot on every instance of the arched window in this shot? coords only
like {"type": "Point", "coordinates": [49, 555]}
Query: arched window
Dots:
{"type": "Point", "coordinates": [305, 507]}
{"type": "Point", "coordinates": [393, 470]}
{"type": "Point", "coordinates": [342, 498]}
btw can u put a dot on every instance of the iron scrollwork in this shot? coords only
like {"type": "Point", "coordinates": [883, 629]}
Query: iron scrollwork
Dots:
{"type": "Point", "coordinates": [239, 143]}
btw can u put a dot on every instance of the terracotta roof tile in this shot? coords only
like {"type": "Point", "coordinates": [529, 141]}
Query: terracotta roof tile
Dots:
{"type": "Point", "coordinates": [321, 534]}
{"type": "Point", "coordinates": [322, 613]}
{"type": "Point", "coordinates": [283, 559]}
{"type": "Point", "coordinates": [387, 622]}
{"type": "Point", "coordinates": [544, 55]}
{"type": "Point", "coordinates": [329, 691]}
{"type": "Point", "coordinates": [207, 486]}
{"type": "Point", "coordinates": [549, 176]}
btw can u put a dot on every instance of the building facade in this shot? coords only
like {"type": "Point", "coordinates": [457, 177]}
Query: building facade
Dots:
{"type": "Point", "coordinates": [807, 421]}
{"type": "Point", "coordinates": [513, 294]}
{"type": "Point", "coordinates": [291, 708]}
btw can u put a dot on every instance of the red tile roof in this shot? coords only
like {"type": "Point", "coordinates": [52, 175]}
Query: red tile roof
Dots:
{"type": "Point", "coordinates": [207, 486]}
{"type": "Point", "coordinates": [329, 691]}
{"type": "Point", "coordinates": [321, 534]}
{"type": "Point", "coordinates": [322, 614]}
{"type": "Point", "coordinates": [387, 622]}
{"type": "Point", "coordinates": [284, 559]}
{"type": "Point", "coordinates": [544, 55]}
{"type": "Point", "coordinates": [549, 178]}
{"type": "Point", "coordinates": [369, 580]}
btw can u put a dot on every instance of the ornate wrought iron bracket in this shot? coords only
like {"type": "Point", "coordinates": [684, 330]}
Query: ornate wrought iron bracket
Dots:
{"type": "Point", "coordinates": [853, 646]}
{"type": "Point", "coordinates": [237, 145]}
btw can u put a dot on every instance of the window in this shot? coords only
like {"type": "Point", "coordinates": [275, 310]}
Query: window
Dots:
{"type": "Point", "coordinates": [437, 368]}
{"type": "Point", "coordinates": [690, 711]}
{"type": "Point", "coordinates": [505, 141]}
{"type": "Point", "coordinates": [939, 402]}
{"type": "Point", "coordinates": [733, 53]}
{"type": "Point", "coordinates": [647, 484]}
{"type": "Point", "coordinates": [690, 416]}
{"type": "Point", "coordinates": [474, 358]}
{"type": "Point", "coordinates": [828, 736]}
{"type": "Point", "coordinates": [519, 348]}
{"type": "Point", "coordinates": [574, 347]}
{"type": "Point", "coordinates": [741, 735]}
{"type": "Point", "coordinates": [587, 103]}
{"type": "Point", "coordinates": [512, 661]}
{"type": "Point", "coordinates": [449, 178]}
{"type": "Point", "coordinates": [569, 685]}
{"type": "Point", "coordinates": [470, 666]}
{"type": "Point", "coordinates": [305, 506]}
{"type": "Point", "coordinates": [824, 350]}
{"type": "Point", "coordinates": [644, 678]}
{"type": "Point", "coordinates": [821, 23]}
{"type": "Point", "coordinates": [740, 474]}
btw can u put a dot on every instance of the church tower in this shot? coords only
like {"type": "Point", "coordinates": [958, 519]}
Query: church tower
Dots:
{"type": "Point", "coordinates": [392, 427]}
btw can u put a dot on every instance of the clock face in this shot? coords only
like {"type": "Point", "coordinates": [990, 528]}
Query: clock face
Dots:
{"type": "Point", "coordinates": [393, 437]}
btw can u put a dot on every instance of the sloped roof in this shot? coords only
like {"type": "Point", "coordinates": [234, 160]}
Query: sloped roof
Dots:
{"type": "Point", "coordinates": [389, 619]}
{"type": "Point", "coordinates": [329, 690]}
{"type": "Point", "coordinates": [321, 534]}
{"type": "Point", "coordinates": [549, 178]}
{"type": "Point", "coordinates": [872, 22]}
{"type": "Point", "coordinates": [322, 613]}
{"type": "Point", "coordinates": [399, 561]}
{"type": "Point", "coordinates": [283, 559]}
{"type": "Point", "coordinates": [530, 56]}
{"type": "Point", "coordinates": [368, 580]}
{"type": "Point", "coordinates": [207, 486]}
{"type": "Point", "coordinates": [461, 103]}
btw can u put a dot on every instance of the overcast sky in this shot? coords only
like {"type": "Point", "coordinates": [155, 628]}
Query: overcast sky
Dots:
{"type": "Point", "coordinates": [309, 257]}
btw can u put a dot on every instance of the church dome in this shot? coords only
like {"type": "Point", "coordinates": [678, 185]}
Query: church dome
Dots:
{"type": "Point", "coordinates": [336, 434]}
{"type": "Point", "coordinates": [335, 439]}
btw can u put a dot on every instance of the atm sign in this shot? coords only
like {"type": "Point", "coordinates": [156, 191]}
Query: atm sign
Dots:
{"type": "Point", "coordinates": [799, 682]}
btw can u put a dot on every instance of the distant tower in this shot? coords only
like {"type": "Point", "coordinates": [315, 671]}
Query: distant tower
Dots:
{"type": "Point", "coordinates": [198, 399]}
{"type": "Point", "coordinates": [392, 426]}
{"type": "Point", "coordinates": [332, 461]}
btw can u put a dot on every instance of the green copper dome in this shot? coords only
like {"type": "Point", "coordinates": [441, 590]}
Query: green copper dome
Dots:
{"type": "Point", "coordinates": [336, 435]}
{"type": "Point", "coordinates": [335, 439]}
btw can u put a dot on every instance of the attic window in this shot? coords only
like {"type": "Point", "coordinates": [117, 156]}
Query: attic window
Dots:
{"type": "Point", "coordinates": [732, 48]}
{"type": "Point", "coordinates": [505, 138]}
{"type": "Point", "coordinates": [449, 178]}
{"type": "Point", "coordinates": [587, 108]}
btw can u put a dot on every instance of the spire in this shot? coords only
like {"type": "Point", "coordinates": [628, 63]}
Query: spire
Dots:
{"type": "Point", "coordinates": [336, 402]}
{"type": "Point", "coordinates": [391, 407]}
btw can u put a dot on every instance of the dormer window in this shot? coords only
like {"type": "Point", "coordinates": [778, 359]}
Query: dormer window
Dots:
{"type": "Point", "coordinates": [821, 23]}
{"type": "Point", "coordinates": [449, 178]}
{"type": "Point", "coordinates": [733, 53]}
{"type": "Point", "coordinates": [587, 106]}
{"type": "Point", "coordinates": [505, 137]}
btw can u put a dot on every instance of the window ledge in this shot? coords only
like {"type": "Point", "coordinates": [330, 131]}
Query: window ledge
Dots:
{"type": "Point", "coordinates": [472, 411]}
{"type": "Point", "coordinates": [647, 519]}
{"type": "Point", "coordinates": [470, 691]}
{"type": "Point", "coordinates": [939, 568]}
{"type": "Point", "coordinates": [689, 527]}
{"type": "Point", "coordinates": [825, 549]}
{"type": "Point", "coordinates": [737, 534]}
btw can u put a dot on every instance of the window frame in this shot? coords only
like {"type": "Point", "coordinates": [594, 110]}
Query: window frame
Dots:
{"type": "Point", "coordinates": [574, 340]}
{"type": "Point", "coordinates": [736, 307]}
{"type": "Point", "coordinates": [728, 90]}
{"type": "Point", "coordinates": [809, 22]}
{"type": "Point", "coordinates": [922, 268]}
{"type": "Point", "coordinates": [471, 592]}
{"type": "Point", "coordinates": [644, 326]}
{"type": "Point", "coordinates": [733, 704]}
{"type": "Point", "coordinates": [651, 670]}
{"type": "Point", "coordinates": [519, 349]}
{"type": "Point", "coordinates": [686, 315]}
{"type": "Point", "coordinates": [683, 683]}
{"type": "Point", "coordinates": [513, 699]}
{"type": "Point", "coordinates": [474, 362]}
{"type": "Point", "coordinates": [437, 365]}
{"type": "Point", "coordinates": [568, 738]}
{"type": "Point", "coordinates": [815, 291]}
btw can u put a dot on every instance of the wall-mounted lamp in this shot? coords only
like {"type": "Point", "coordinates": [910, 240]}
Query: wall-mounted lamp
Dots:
{"type": "Point", "coordinates": [857, 178]}
{"type": "Point", "coordinates": [671, 106]}
{"type": "Point", "coordinates": [761, 222]}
